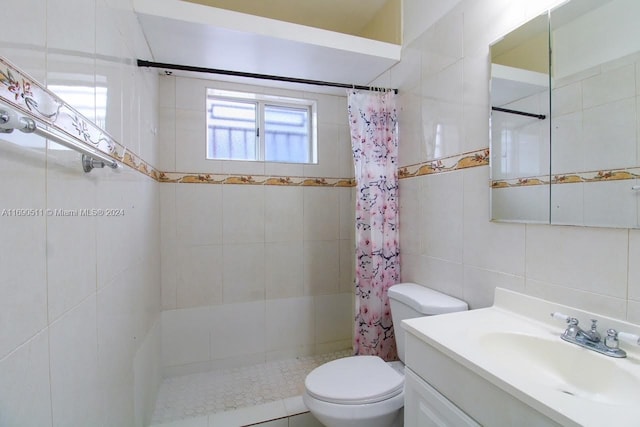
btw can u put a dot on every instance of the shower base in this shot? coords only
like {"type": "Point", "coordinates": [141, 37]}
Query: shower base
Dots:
{"type": "Point", "coordinates": [268, 390]}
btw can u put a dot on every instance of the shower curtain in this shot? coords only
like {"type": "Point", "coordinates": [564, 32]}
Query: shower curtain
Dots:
{"type": "Point", "coordinates": [374, 140]}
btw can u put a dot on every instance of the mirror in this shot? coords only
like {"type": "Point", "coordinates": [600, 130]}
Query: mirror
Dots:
{"type": "Point", "coordinates": [520, 149]}
{"type": "Point", "coordinates": [590, 138]}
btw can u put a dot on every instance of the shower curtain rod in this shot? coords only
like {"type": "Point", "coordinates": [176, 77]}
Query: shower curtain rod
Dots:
{"type": "Point", "coordinates": [151, 64]}
{"type": "Point", "coordinates": [520, 113]}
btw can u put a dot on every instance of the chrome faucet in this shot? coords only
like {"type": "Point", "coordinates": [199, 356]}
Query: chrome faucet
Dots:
{"type": "Point", "coordinates": [575, 332]}
{"type": "Point", "coordinates": [592, 340]}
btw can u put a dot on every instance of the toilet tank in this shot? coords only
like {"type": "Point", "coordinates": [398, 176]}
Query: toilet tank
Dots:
{"type": "Point", "coordinates": [409, 300]}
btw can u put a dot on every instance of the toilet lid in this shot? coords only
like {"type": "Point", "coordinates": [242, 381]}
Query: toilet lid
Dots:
{"type": "Point", "coordinates": [354, 380]}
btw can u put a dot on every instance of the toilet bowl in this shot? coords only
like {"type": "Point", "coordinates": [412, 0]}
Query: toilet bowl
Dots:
{"type": "Point", "coordinates": [366, 391]}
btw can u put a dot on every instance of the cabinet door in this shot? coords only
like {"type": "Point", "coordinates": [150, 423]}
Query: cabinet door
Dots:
{"type": "Point", "coordinates": [425, 407]}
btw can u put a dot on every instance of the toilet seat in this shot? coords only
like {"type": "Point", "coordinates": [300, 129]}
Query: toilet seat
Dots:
{"type": "Point", "coordinates": [354, 380]}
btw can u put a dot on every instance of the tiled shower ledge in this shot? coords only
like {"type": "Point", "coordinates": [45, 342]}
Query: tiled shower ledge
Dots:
{"type": "Point", "coordinates": [238, 396]}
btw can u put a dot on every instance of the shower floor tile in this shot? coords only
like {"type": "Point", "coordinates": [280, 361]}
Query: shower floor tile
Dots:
{"type": "Point", "coordinates": [223, 390]}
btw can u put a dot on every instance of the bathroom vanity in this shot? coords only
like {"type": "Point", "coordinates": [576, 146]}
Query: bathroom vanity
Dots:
{"type": "Point", "coordinates": [507, 366]}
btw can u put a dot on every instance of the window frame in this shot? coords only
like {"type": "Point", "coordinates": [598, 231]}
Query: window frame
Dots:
{"type": "Point", "coordinates": [261, 101]}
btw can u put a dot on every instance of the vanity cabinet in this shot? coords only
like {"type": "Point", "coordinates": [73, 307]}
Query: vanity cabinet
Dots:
{"type": "Point", "coordinates": [425, 407]}
{"type": "Point", "coordinates": [439, 391]}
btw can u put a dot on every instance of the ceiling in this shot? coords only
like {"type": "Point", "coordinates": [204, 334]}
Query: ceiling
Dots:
{"type": "Point", "coordinates": [343, 16]}
{"type": "Point", "coordinates": [186, 33]}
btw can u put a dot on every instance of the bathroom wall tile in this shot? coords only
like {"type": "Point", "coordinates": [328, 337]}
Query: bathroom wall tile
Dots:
{"type": "Point", "coordinates": [283, 213]}
{"type": "Point", "coordinates": [243, 276]}
{"type": "Point", "coordinates": [441, 208]}
{"type": "Point", "coordinates": [284, 270]}
{"type": "Point", "coordinates": [610, 204]}
{"type": "Point", "coordinates": [619, 132]}
{"type": "Point", "coordinates": [109, 96]}
{"type": "Point", "coordinates": [75, 391]}
{"type": "Point", "coordinates": [116, 339]}
{"type": "Point", "coordinates": [347, 265]}
{"type": "Point", "coordinates": [25, 391]}
{"type": "Point", "coordinates": [200, 276]}
{"type": "Point", "coordinates": [147, 81]}
{"type": "Point", "coordinates": [442, 128]}
{"type": "Point", "coordinates": [321, 267]}
{"type": "Point", "coordinates": [243, 208]}
{"type": "Point", "coordinates": [586, 259]}
{"type": "Point", "coordinates": [334, 316]}
{"type": "Point", "coordinates": [199, 214]}
{"type": "Point", "coordinates": [569, 156]}
{"type": "Point", "coordinates": [442, 44]}
{"type": "Point", "coordinates": [168, 246]}
{"type": "Point", "coordinates": [525, 203]}
{"type": "Point", "coordinates": [281, 333]}
{"type": "Point", "coordinates": [321, 213]}
{"type": "Point", "coordinates": [16, 32]}
{"type": "Point", "coordinates": [185, 336]}
{"type": "Point", "coordinates": [190, 94]}
{"type": "Point", "coordinates": [410, 133]}
{"type": "Point", "coordinates": [634, 267]}
{"type": "Point", "coordinates": [585, 300]}
{"type": "Point", "coordinates": [410, 216]}
{"type": "Point", "coordinates": [167, 92]}
{"type": "Point", "coordinates": [567, 204]}
{"type": "Point", "coordinates": [147, 376]}
{"type": "Point", "coordinates": [344, 154]}
{"type": "Point", "coordinates": [283, 169]}
{"type": "Point", "coordinates": [633, 312]}
{"type": "Point", "coordinates": [441, 275]}
{"type": "Point", "coordinates": [23, 306]}
{"type": "Point", "coordinates": [489, 245]}
{"type": "Point", "coordinates": [71, 240]}
{"type": "Point", "coordinates": [609, 86]}
{"type": "Point", "coordinates": [479, 285]}
{"type": "Point", "coordinates": [191, 138]}
{"type": "Point", "coordinates": [331, 109]}
{"type": "Point", "coordinates": [76, 14]}
{"type": "Point", "coordinates": [238, 167]}
{"type": "Point", "coordinates": [327, 166]}
{"type": "Point", "coordinates": [347, 214]}
{"type": "Point", "coordinates": [237, 330]}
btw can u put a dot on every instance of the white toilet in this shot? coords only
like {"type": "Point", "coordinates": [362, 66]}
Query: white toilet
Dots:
{"type": "Point", "coordinates": [365, 391]}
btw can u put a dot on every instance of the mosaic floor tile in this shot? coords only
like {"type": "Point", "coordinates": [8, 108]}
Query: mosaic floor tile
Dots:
{"type": "Point", "coordinates": [222, 390]}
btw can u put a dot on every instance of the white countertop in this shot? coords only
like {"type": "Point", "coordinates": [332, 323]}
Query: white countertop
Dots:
{"type": "Point", "coordinates": [480, 340]}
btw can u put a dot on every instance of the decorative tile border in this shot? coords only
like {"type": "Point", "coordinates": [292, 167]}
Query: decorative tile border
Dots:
{"type": "Point", "coordinates": [446, 164]}
{"type": "Point", "coordinates": [192, 178]}
{"type": "Point", "coordinates": [571, 178]}
{"type": "Point", "coordinates": [25, 94]}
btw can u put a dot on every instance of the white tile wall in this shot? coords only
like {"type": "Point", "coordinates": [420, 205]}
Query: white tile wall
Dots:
{"type": "Point", "coordinates": [78, 295]}
{"type": "Point", "coordinates": [274, 246]}
{"type": "Point", "coordinates": [586, 267]}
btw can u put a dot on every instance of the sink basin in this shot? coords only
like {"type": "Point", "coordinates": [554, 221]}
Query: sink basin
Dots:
{"type": "Point", "coordinates": [511, 356]}
{"type": "Point", "coordinates": [562, 366]}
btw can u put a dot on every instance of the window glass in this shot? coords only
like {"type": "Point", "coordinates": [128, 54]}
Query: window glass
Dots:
{"type": "Point", "coordinates": [246, 126]}
{"type": "Point", "coordinates": [286, 134]}
{"type": "Point", "coordinates": [231, 130]}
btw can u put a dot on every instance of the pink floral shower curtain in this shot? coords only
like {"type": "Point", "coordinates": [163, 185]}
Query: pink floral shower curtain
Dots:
{"type": "Point", "coordinates": [374, 140]}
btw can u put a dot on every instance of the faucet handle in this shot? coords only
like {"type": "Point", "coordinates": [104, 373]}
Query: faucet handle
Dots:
{"type": "Point", "coordinates": [614, 337]}
{"type": "Point", "coordinates": [629, 338]}
{"type": "Point", "coordinates": [611, 340]}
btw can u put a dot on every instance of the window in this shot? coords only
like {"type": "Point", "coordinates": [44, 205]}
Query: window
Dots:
{"type": "Point", "coordinates": [244, 126]}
